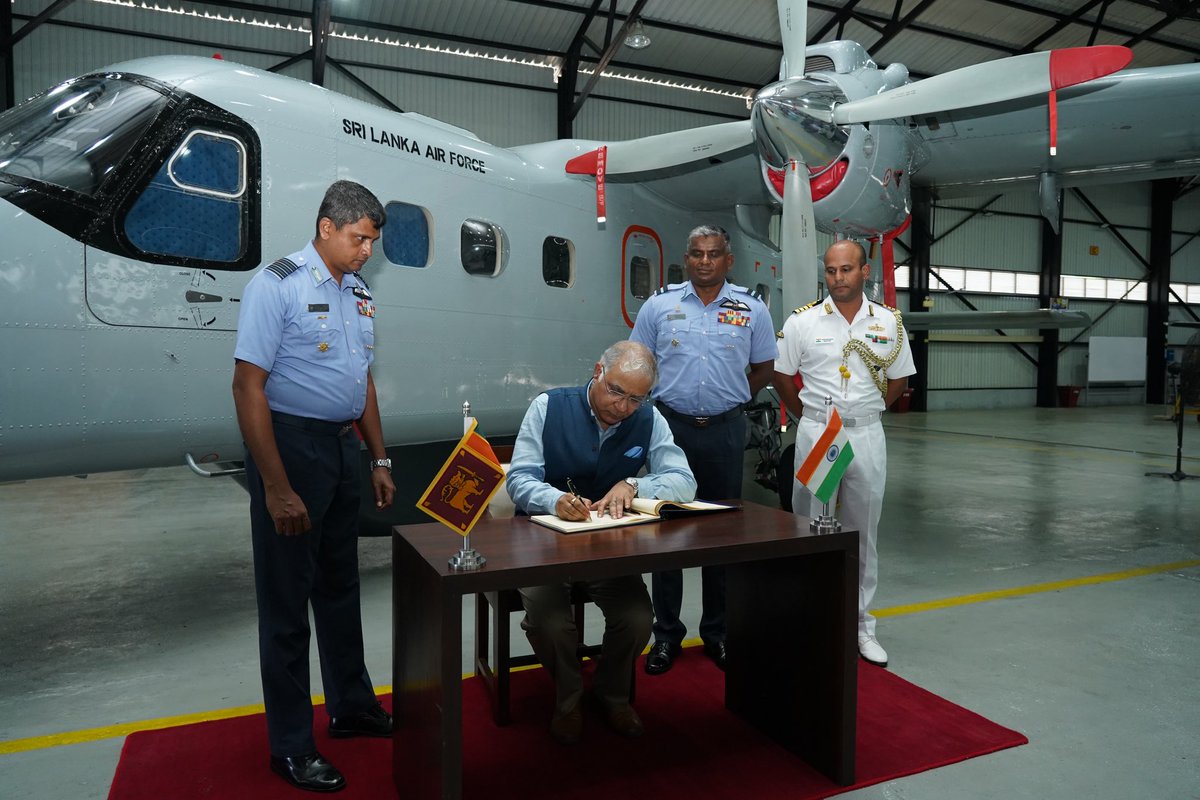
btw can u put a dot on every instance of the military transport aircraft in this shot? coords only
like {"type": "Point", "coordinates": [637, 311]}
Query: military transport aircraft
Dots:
{"type": "Point", "coordinates": [137, 201]}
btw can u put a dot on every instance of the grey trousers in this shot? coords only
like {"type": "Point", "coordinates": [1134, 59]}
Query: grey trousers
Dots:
{"type": "Point", "coordinates": [549, 625]}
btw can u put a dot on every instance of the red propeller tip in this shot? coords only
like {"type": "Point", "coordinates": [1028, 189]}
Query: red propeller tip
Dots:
{"type": "Point", "coordinates": [1073, 65]}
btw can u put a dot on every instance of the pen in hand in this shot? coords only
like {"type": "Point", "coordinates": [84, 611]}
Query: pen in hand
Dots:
{"type": "Point", "coordinates": [577, 505]}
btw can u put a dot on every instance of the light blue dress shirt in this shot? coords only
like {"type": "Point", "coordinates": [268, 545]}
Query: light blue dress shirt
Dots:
{"type": "Point", "coordinates": [703, 351]}
{"type": "Point", "coordinates": [668, 478]}
{"type": "Point", "coordinates": [315, 337]}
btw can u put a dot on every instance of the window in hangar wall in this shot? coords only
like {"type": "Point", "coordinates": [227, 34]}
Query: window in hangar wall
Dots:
{"type": "Point", "coordinates": [406, 235]}
{"type": "Point", "coordinates": [196, 205]}
{"type": "Point", "coordinates": [982, 281]}
{"type": "Point", "coordinates": [483, 248]}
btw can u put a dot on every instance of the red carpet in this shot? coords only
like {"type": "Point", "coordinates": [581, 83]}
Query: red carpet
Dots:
{"type": "Point", "coordinates": [693, 748]}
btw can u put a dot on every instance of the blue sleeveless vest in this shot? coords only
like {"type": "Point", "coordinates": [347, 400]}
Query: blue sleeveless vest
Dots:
{"type": "Point", "coordinates": [571, 449]}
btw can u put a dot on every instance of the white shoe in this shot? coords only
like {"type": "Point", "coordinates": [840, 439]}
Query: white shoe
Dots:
{"type": "Point", "coordinates": [872, 653]}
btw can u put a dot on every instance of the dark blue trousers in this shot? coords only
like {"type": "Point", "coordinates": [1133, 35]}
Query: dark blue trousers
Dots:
{"type": "Point", "coordinates": [318, 568]}
{"type": "Point", "coordinates": [715, 454]}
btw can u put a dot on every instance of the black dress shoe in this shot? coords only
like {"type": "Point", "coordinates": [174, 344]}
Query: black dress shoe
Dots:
{"type": "Point", "coordinates": [716, 651]}
{"type": "Point", "coordinates": [661, 657]}
{"type": "Point", "coordinates": [372, 722]}
{"type": "Point", "coordinates": [311, 772]}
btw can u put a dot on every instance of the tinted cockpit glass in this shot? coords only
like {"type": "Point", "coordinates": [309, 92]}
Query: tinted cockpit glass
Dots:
{"type": "Point", "coordinates": [75, 134]}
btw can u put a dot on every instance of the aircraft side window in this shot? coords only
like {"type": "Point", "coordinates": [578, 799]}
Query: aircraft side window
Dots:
{"type": "Point", "coordinates": [639, 277]}
{"type": "Point", "coordinates": [674, 273]}
{"type": "Point", "coordinates": [558, 262]}
{"type": "Point", "coordinates": [483, 248]}
{"type": "Point", "coordinates": [763, 293]}
{"type": "Point", "coordinates": [406, 235]}
{"type": "Point", "coordinates": [196, 206]}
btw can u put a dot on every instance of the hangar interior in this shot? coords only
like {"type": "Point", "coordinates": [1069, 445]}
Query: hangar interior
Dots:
{"type": "Point", "coordinates": [128, 596]}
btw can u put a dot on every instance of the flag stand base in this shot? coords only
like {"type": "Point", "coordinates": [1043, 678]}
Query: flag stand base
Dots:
{"type": "Point", "coordinates": [824, 524]}
{"type": "Point", "coordinates": [467, 559]}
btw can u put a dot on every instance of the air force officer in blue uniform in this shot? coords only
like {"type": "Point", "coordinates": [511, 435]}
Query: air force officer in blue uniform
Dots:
{"type": "Point", "coordinates": [704, 333]}
{"type": "Point", "coordinates": [302, 380]}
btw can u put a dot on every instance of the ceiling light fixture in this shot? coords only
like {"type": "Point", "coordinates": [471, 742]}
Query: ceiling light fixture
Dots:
{"type": "Point", "coordinates": [637, 38]}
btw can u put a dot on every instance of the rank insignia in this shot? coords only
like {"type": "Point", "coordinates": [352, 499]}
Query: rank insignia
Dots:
{"type": "Point", "coordinates": [323, 346]}
{"type": "Point", "coordinates": [734, 318]}
{"type": "Point", "coordinates": [366, 307]}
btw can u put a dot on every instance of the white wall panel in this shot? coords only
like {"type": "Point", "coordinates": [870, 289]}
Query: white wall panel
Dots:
{"type": "Point", "coordinates": [986, 241]}
{"type": "Point", "coordinates": [1113, 259]}
{"type": "Point", "coordinates": [1185, 245]}
{"type": "Point", "coordinates": [1121, 204]}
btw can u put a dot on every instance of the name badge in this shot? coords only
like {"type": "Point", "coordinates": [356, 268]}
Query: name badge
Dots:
{"type": "Point", "coordinates": [671, 317]}
{"type": "Point", "coordinates": [318, 307]}
{"type": "Point", "coordinates": [823, 340]}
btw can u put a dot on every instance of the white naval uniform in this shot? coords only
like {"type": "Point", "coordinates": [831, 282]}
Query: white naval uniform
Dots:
{"type": "Point", "coordinates": [813, 342]}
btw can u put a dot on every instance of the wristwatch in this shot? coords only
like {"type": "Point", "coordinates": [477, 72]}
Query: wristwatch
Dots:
{"type": "Point", "coordinates": [386, 463]}
{"type": "Point", "coordinates": [632, 484]}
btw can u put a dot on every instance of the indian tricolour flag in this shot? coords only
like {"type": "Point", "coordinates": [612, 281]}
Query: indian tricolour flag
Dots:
{"type": "Point", "coordinates": [822, 470]}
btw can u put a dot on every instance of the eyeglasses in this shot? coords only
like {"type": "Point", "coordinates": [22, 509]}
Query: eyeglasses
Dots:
{"type": "Point", "coordinates": [621, 394]}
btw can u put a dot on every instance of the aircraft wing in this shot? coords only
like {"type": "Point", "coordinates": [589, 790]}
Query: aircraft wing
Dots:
{"type": "Point", "coordinates": [1040, 319]}
{"type": "Point", "coordinates": [701, 169]}
{"type": "Point", "coordinates": [1132, 125]}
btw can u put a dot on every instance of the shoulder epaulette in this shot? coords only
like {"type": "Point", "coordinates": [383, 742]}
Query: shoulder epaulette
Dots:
{"type": "Point", "coordinates": [807, 307]}
{"type": "Point", "coordinates": [670, 287]}
{"type": "Point", "coordinates": [283, 267]}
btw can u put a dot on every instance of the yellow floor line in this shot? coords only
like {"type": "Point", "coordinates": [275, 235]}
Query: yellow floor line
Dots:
{"type": "Point", "coordinates": [126, 728]}
{"type": "Point", "coordinates": [1037, 588]}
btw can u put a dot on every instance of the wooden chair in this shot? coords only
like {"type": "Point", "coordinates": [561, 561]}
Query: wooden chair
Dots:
{"type": "Point", "coordinates": [492, 668]}
{"type": "Point", "coordinates": [492, 610]}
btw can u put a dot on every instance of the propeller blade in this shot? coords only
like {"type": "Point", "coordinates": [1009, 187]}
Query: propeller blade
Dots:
{"type": "Point", "coordinates": [990, 82]}
{"type": "Point", "coordinates": [798, 239]}
{"type": "Point", "coordinates": [793, 29]}
{"type": "Point", "coordinates": [668, 150]}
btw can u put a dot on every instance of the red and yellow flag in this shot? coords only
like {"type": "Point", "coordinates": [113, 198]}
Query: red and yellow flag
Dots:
{"type": "Point", "coordinates": [460, 492]}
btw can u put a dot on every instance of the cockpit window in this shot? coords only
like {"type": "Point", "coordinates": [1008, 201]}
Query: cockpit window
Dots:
{"type": "Point", "coordinates": [74, 135]}
{"type": "Point", "coordinates": [195, 206]}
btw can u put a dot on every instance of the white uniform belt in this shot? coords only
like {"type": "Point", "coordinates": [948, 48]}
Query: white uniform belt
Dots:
{"type": "Point", "coordinates": [849, 422]}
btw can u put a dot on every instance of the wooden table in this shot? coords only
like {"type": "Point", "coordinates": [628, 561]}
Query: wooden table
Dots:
{"type": "Point", "coordinates": [792, 611]}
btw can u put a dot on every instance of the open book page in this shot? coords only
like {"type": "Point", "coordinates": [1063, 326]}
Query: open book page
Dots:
{"type": "Point", "coordinates": [644, 510]}
{"type": "Point", "coordinates": [671, 508]}
{"type": "Point", "coordinates": [596, 523]}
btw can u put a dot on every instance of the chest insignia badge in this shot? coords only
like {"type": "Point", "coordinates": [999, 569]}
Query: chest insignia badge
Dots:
{"type": "Point", "coordinates": [323, 346]}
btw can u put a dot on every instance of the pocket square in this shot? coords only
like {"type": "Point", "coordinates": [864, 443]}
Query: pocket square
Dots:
{"type": "Point", "coordinates": [634, 452]}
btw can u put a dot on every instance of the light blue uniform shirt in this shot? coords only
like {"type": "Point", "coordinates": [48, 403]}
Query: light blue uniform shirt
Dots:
{"type": "Point", "coordinates": [703, 351]}
{"type": "Point", "coordinates": [669, 476]}
{"type": "Point", "coordinates": [314, 337]}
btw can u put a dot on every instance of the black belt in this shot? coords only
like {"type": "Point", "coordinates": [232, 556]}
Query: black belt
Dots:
{"type": "Point", "coordinates": [318, 426]}
{"type": "Point", "coordinates": [698, 422]}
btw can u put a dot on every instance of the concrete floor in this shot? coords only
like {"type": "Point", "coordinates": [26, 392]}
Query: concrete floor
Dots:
{"type": "Point", "coordinates": [128, 597]}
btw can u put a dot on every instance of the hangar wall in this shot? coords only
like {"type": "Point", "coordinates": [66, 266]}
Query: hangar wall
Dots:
{"type": "Point", "coordinates": [1106, 231]}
